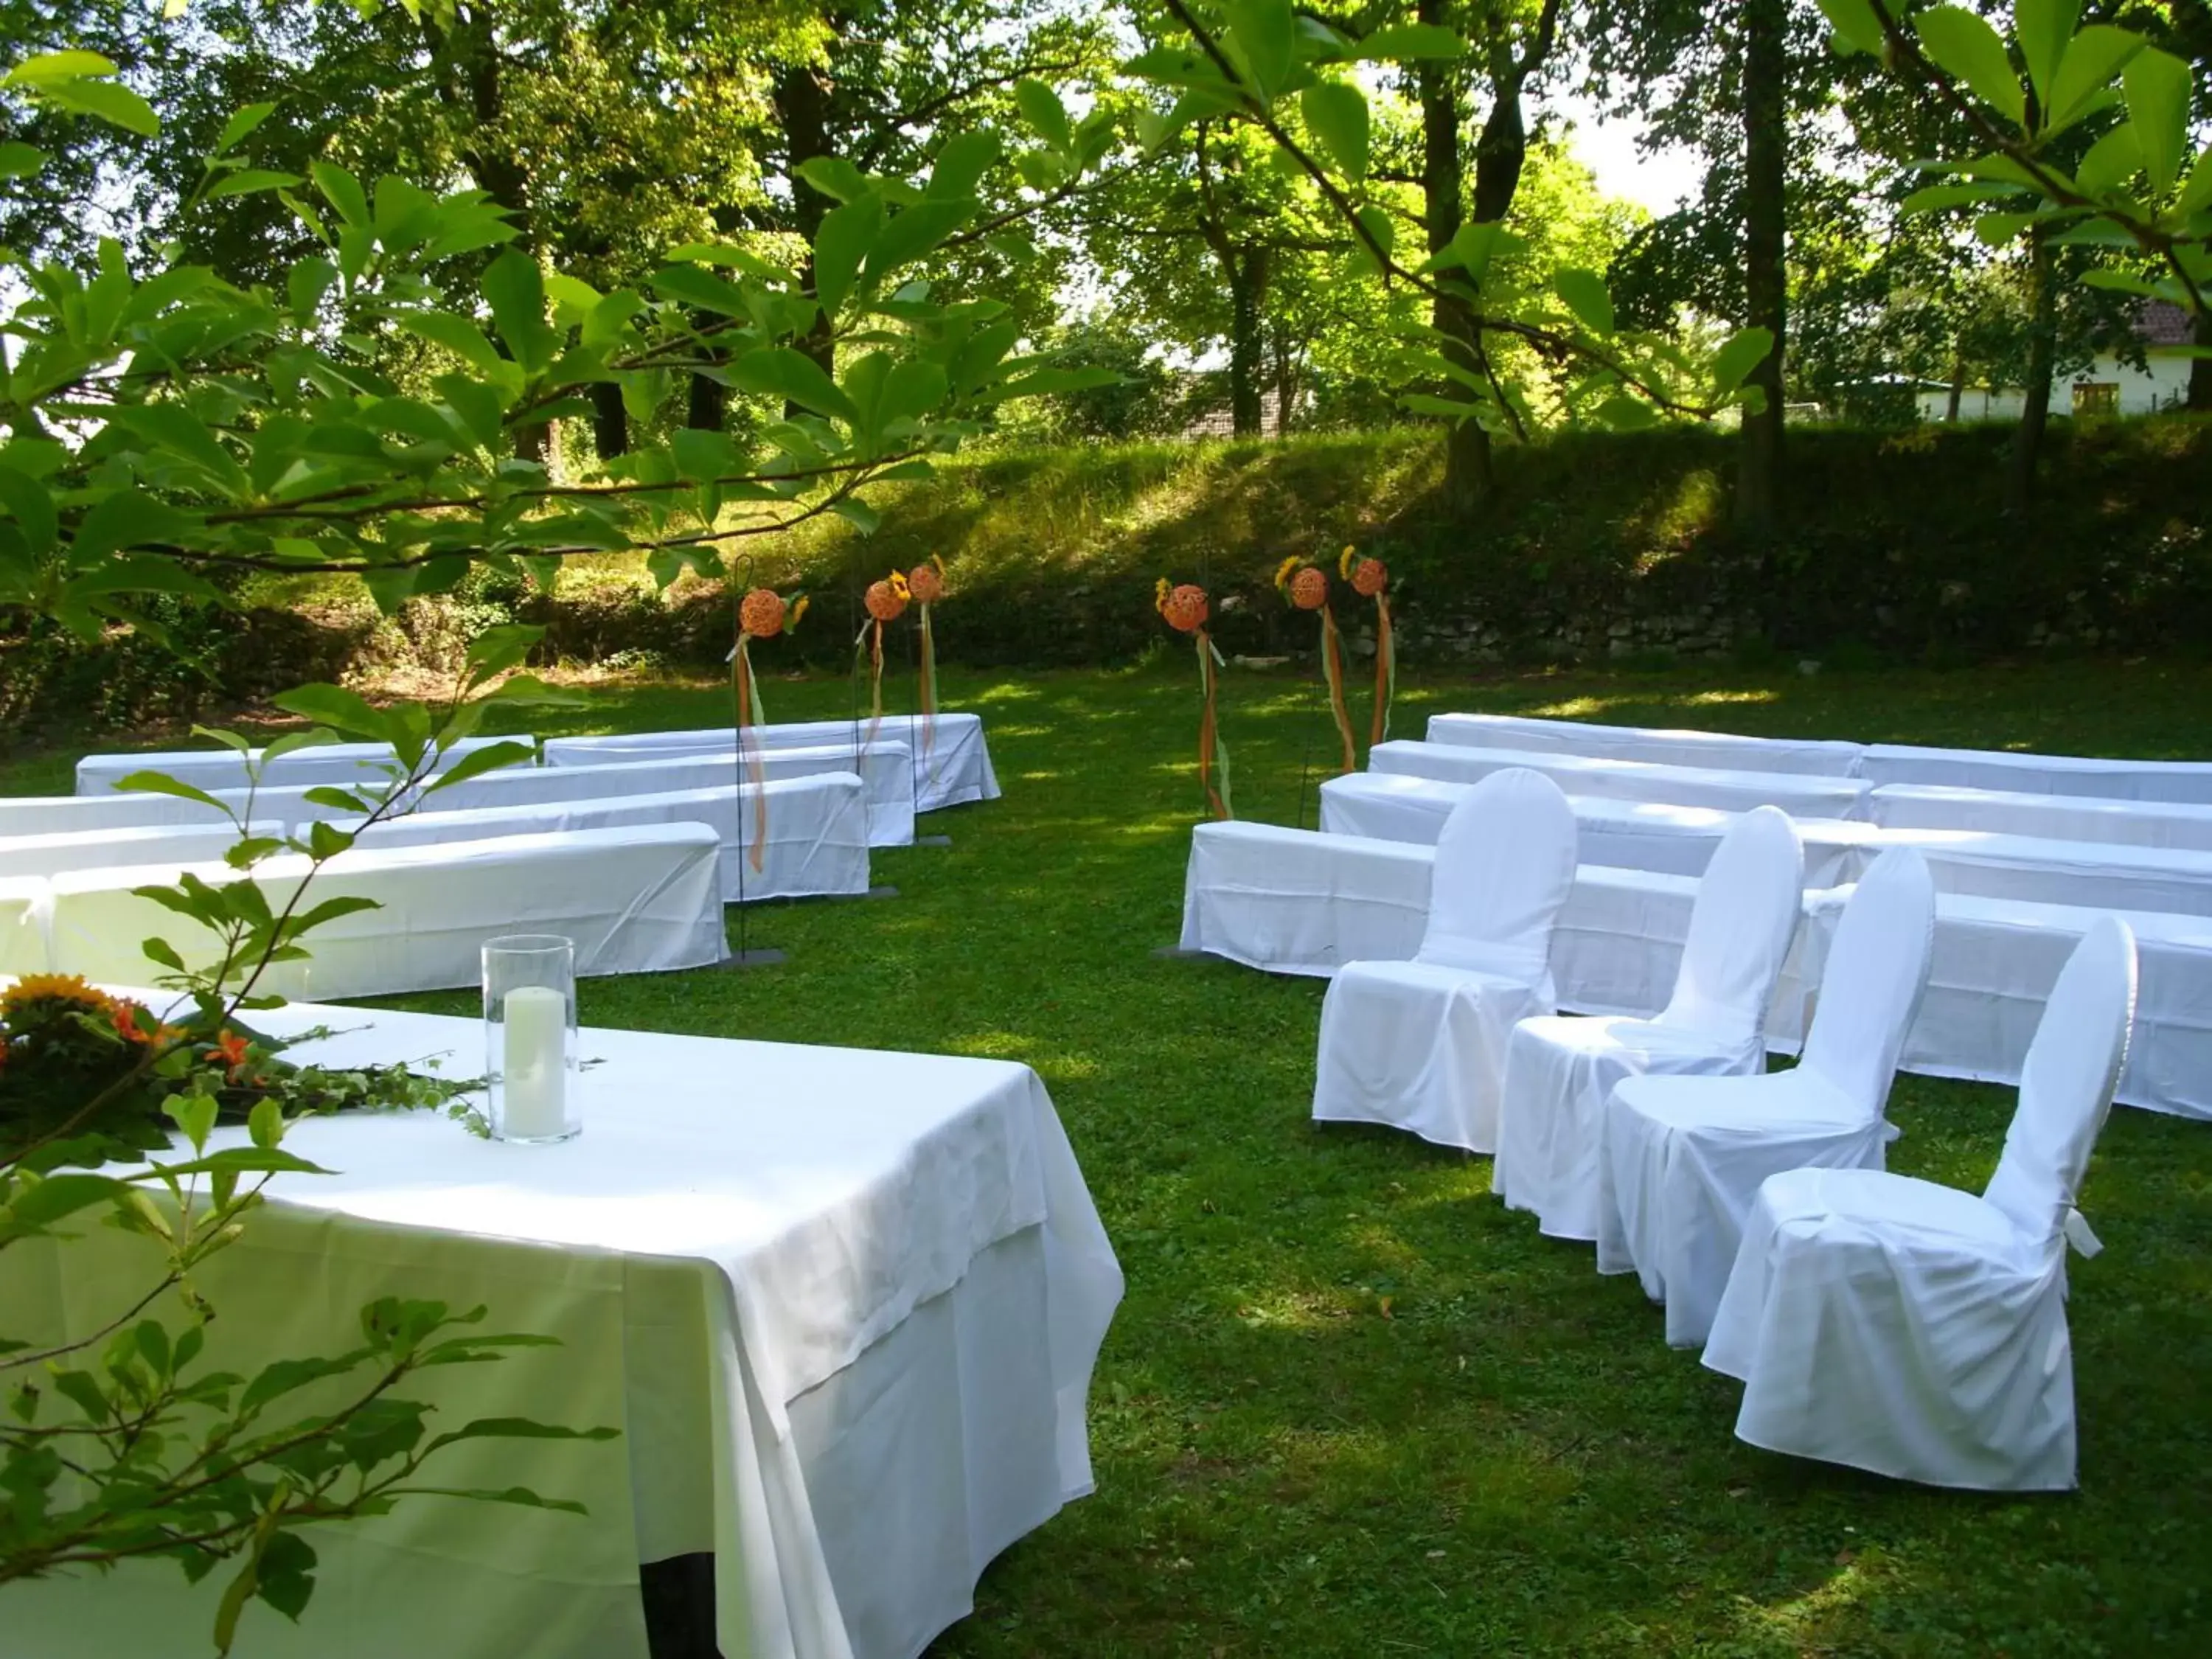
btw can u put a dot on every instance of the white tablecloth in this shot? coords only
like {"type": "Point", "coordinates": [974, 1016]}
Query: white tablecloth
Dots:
{"type": "Point", "coordinates": [51, 853]}
{"type": "Point", "coordinates": [638, 899]}
{"type": "Point", "coordinates": [1723, 750]}
{"type": "Point", "coordinates": [222, 768]}
{"type": "Point", "coordinates": [884, 768]}
{"type": "Point", "coordinates": [61, 815]}
{"type": "Point", "coordinates": [2100, 875]}
{"type": "Point", "coordinates": [817, 842]}
{"type": "Point", "coordinates": [2179, 824]}
{"type": "Point", "coordinates": [956, 768]}
{"type": "Point", "coordinates": [1295, 901]}
{"type": "Point", "coordinates": [843, 1305]}
{"type": "Point", "coordinates": [2040, 775]}
{"type": "Point", "coordinates": [25, 904]}
{"type": "Point", "coordinates": [1631, 834]}
{"type": "Point", "coordinates": [1799, 794]}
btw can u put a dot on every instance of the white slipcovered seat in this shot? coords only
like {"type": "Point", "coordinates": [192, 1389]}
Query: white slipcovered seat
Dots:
{"type": "Point", "coordinates": [1560, 1069]}
{"type": "Point", "coordinates": [1420, 1045]}
{"type": "Point", "coordinates": [1682, 1157]}
{"type": "Point", "coordinates": [1919, 1332]}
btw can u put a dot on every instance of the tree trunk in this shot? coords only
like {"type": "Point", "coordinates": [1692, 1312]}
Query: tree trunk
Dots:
{"type": "Point", "coordinates": [1248, 283]}
{"type": "Point", "coordinates": [2200, 372]}
{"type": "Point", "coordinates": [706, 405]}
{"type": "Point", "coordinates": [1286, 384]}
{"type": "Point", "coordinates": [2042, 351]}
{"type": "Point", "coordinates": [609, 421]}
{"type": "Point", "coordinates": [802, 106]}
{"type": "Point", "coordinates": [1958, 386]}
{"type": "Point", "coordinates": [1467, 445]}
{"type": "Point", "coordinates": [1758, 472]}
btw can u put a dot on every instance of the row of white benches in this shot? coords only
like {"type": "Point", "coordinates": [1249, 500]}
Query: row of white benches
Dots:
{"type": "Point", "coordinates": [2019, 876]}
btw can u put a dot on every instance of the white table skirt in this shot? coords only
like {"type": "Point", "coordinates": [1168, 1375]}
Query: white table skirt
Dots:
{"type": "Point", "coordinates": [955, 770]}
{"type": "Point", "coordinates": [2040, 774]}
{"type": "Point", "coordinates": [57, 852]}
{"type": "Point", "coordinates": [1799, 794]}
{"type": "Point", "coordinates": [844, 1305]}
{"type": "Point", "coordinates": [1724, 750]}
{"type": "Point", "coordinates": [817, 842]}
{"type": "Point", "coordinates": [638, 899]}
{"type": "Point", "coordinates": [1628, 835]}
{"type": "Point", "coordinates": [885, 768]}
{"type": "Point", "coordinates": [222, 769]}
{"type": "Point", "coordinates": [2180, 825]}
{"type": "Point", "coordinates": [1296, 901]}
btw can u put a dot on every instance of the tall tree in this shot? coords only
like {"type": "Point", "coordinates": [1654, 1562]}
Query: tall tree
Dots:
{"type": "Point", "coordinates": [1765, 96]}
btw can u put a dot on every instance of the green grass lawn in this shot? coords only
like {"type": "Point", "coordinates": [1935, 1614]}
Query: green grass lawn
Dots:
{"type": "Point", "coordinates": [1351, 1406]}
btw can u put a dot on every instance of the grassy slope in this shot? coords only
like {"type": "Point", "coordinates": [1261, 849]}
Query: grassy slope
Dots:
{"type": "Point", "coordinates": [1503, 1457]}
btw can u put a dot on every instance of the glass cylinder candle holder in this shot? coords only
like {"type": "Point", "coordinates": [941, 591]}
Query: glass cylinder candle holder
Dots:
{"type": "Point", "coordinates": [530, 1038]}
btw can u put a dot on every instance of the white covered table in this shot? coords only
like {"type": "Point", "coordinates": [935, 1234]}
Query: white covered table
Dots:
{"type": "Point", "coordinates": [339, 763]}
{"type": "Point", "coordinates": [2040, 774]}
{"type": "Point", "coordinates": [843, 1305]}
{"type": "Point", "coordinates": [2183, 825]}
{"type": "Point", "coordinates": [1799, 794]}
{"type": "Point", "coordinates": [636, 900]}
{"type": "Point", "coordinates": [62, 814]}
{"type": "Point", "coordinates": [1724, 750]}
{"type": "Point", "coordinates": [817, 842]}
{"type": "Point", "coordinates": [951, 767]}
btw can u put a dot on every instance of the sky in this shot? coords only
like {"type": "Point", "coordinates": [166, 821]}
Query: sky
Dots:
{"type": "Point", "coordinates": [1605, 144]}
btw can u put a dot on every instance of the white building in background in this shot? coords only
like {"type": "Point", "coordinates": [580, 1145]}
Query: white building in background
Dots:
{"type": "Point", "coordinates": [2107, 386]}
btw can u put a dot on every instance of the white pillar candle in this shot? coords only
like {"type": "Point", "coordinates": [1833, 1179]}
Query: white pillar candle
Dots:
{"type": "Point", "coordinates": [535, 1063]}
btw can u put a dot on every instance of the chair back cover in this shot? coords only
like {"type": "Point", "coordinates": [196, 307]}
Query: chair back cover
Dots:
{"type": "Point", "coordinates": [1748, 903]}
{"type": "Point", "coordinates": [1505, 863]}
{"type": "Point", "coordinates": [2067, 1081]}
{"type": "Point", "coordinates": [1871, 988]}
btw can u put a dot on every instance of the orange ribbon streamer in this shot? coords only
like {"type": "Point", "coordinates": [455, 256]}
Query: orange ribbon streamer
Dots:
{"type": "Point", "coordinates": [1386, 671]}
{"type": "Point", "coordinates": [1209, 743]}
{"type": "Point", "coordinates": [1332, 666]}
{"type": "Point", "coordinates": [749, 711]}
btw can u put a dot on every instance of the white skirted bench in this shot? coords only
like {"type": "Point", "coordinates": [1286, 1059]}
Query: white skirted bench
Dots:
{"type": "Point", "coordinates": [2040, 774]}
{"type": "Point", "coordinates": [635, 900]}
{"type": "Point", "coordinates": [950, 764]}
{"type": "Point", "coordinates": [1800, 795]}
{"type": "Point", "coordinates": [1724, 750]}
{"type": "Point", "coordinates": [2179, 824]}
{"type": "Point", "coordinates": [53, 854]}
{"type": "Point", "coordinates": [211, 769]}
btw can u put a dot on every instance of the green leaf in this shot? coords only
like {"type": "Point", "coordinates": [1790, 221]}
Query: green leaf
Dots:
{"type": "Point", "coordinates": [489, 758]}
{"type": "Point", "coordinates": [343, 190]}
{"type": "Point", "coordinates": [265, 1122]}
{"type": "Point", "coordinates": [961, 163]}
{"type": "Point", "coordinates": [2158, 91]}
{"type": "Point", "coordinates": [2043, 27]}
{"type": "Point", "coordinates": [1935, 197]}
{"type": "Point", "coordinates": [116, 105]}
{"type": "Point", "coordinates": [338, 708]}
{"type": "Point", "coordinates": [1585, 293]}
{"type": "Point", "coordinates": [19, 161]}
{"type": "Point", "coordinates": [1403, 43]}
{"type": "Point", "coordinates": [1745, 350]}
{"type": "Point", "coordinates": [1336, 111]}
{"type": "Point", "coordinates": [841, 244]}
{"type": "Point", "coordinates": [1041, 107]}
{"type": "Point", "coordinates": [247, 181]}
{"type": "Point", "coordinates": [915, 231]}
{"type": "Point", "coordinates": [2112, 161]}
{"type": "Point", "coordinates": [40, 1203]}
{"type": "Point", "coordinates": [457, 334]}
{"type": "Point", "coordinates": [160, 783]}
{"type": "Point", "coordinates": [1856, 26]}
{"type": "Point", "coordinates": [241, 123]}
{"type": "Point", "coordinates": [783, 373]}
{"type": "Point", "coordinates": [336, 799]}
{"type": "Point", "coordinates": [835, 177]}
{"type": "Point", "coordinates": [514, 288]}
{"type": "Point", "coordinates": [47, 67]}
{"type": "Point", "coordinates": [1960, 42]}
{"type": "Point", "coordinates": [1262, 41]}
{"type": "Point", "coordinates": [2085, 75]}
{"type": "Point", "coordinates": [1381, 227]}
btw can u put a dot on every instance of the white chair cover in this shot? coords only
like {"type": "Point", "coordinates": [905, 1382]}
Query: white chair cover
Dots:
{"type": "Point", "coordinates": [1916, 1331]}
{"type": "Point", "coordinates": [1420, 1045]}
{"type": "Point", "coordinates": [1683, 1157]}
{"type": "Point", "coordinates": [1560, 1068]}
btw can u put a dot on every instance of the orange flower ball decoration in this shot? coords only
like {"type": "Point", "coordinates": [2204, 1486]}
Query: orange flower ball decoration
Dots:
{"type": "Point", "coordinates": [1309, 588]}
{"type": "Point", "coordinates": [1369, 577]}
{"type": "Point", "coordinates": [885, 602]}
{"type": "Point", "coordinates": [1185, 607]}
{"type": "Point", "coordinates": [761, 614]}
{"type": "Point", "coordinates": [927, 583]}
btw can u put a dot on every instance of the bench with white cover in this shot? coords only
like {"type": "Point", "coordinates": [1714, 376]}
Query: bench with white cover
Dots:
{"type": "Point", "coordinates": [2040, 774]}
{"type": "Point", "coordinates": [1723, 750]}
{"type": "Point", "coordinates": [53, 854]}
{"type": "Point", "coordinates": [2183, 825]}
{"type": "Point", "coordinates": [1799, 794]}
{"type": "Point", "coordinates": [340, 763]}
{"type": "Point", "coordinates": [635, 900]}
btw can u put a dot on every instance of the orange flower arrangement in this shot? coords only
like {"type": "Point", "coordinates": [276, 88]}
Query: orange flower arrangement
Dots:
{"type": "Point", "coordinates": [1184, 607]}
{"type": "Point", "coordinates": [887, 600]}
{"type": "Point", "coordinates": [1306, 586]}
{"type": "Point", "coordinates": [1370, 579]}
{"type": "Point", "coordinates": [928, 581]}
{"type": "Point", "coordinates": [762, 614]}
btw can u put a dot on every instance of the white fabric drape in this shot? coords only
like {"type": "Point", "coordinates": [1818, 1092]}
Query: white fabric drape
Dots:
{"type": "Point", "coordinates": [1723, 750]}
{"type": "Point", "coordinates": [1681, 1158]}
{"type": "Point", "coordinates": [1898, 1326]}
{"type": "Point", "coordinates": [1795, 793]}
{"type": "Point", "coordinates": [339, 763]}
{"type": "Point", "coordinates": [817, 842]}
{"type": "Point", "coordinates": [949, 763]}
{"type": "Point", "coordinates": [1420, 1045]}
{"type": "Point", "coordinates": [843, 1304]}
{"type": "Point", "coordinates": [55, 853]}
{"type": "Point", "coordinates": [640, 900]}
{"type": "Point", "coordinates": [2180, 824]}
{"type": "Point", "coordinates": [2040, 774]}
{"type": "Point", "coordinates": [68, 815]}
{"type": "Point", "coordinates": [1560, 1070]}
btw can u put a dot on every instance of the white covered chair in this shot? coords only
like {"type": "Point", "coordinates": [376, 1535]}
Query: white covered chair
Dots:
{"type": "Point", "coordinates": [1420, 1045]}
{"type": "Point", "coordinates": [1917, 1331]}
{"type": "Point", "coordinates": [1682, 1157]}
{"type": "Point", "coordinates": [1560, 1069]}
